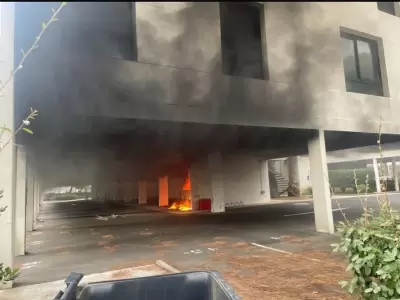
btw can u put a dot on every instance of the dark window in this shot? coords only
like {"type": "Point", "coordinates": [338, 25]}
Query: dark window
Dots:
{"type": "Point", "coordinates": [361, 65]}
{"type": "Point", "coordinates": [241, 40]}
{"type": "Point", "coordinates": [387, 7]}
{"type": "Point", "coordinates": [102, 29]}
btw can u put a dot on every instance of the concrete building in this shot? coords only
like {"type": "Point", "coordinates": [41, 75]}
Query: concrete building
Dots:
{"type": "Point", "coordinates": [133, 96]}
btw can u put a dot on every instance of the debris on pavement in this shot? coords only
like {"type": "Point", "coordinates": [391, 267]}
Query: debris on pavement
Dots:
{"type": "Point", "coordinates": [197, 251]}
{"type": "Point", "coordinates": [113, 216]}
{"type": "Point", "coordinates": [29, 265]}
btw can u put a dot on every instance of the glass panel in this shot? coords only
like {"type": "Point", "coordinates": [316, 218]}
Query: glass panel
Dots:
{"type": "Point", "coordinates": [349, 60]}
{"type": "Point", "coordinates": [365, 61]}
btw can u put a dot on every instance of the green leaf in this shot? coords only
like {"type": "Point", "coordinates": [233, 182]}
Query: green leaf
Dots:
{"type": "Point", "coordinates": [355, 257]}
{"type": "Point", "coordinates": [43, 25]}
{"type": "Point", "coordinates": [349, 267]}
{"type": "Point", "coordinates": [27, 130]}
{"type": "Point", "coordinates": [64, 3]}
{"type": "Point", "coordinates": [367, 271]}
{"type": "Point", "coordinates": [343, 283]}
{"type": "Point", "coordinates": [369, 290]}
{"type": "Point", "coordinates": [398, 288]}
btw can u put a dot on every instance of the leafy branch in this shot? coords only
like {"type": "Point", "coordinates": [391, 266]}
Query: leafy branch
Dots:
{"type": "Point", "coordinates": [34, 46]}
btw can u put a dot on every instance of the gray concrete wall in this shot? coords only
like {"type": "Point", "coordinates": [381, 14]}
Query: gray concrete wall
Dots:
{"type": "Point", "coordinates": [178, 72]}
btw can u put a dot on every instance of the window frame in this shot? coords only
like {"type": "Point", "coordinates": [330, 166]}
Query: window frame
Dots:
{"type": "Point", "coordinates": [376, 62]}
{"type": "Point", "coordinates": [224, 68]}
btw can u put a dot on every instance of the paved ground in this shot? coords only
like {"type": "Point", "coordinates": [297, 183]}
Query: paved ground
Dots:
{"type": "Point", "coordinates": [186, 241]}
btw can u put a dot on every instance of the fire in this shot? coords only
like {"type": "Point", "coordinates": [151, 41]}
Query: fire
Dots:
{"type": "Point", "coordinates": [183, 205]}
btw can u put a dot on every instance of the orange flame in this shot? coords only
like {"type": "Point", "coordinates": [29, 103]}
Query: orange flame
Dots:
{"type": "Point", "coordinates": [184, 206]}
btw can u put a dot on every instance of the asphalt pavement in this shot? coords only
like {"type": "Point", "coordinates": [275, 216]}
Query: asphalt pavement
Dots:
{"type": "Point", "coordinates": [85, 244]}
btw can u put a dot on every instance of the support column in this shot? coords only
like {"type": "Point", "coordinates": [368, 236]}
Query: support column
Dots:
{"type": "Point", "coordinates": [7, 156]}
{"type": "Point", "coordinates": [20, 201]}
{"type": "Point", "coordinates": [320, 184]}
{"type": "Point", "coordinates": [142, 192]}
{"type": "Point", "coordinates": [163, 191]}
{"type": "Point", "coordinates": [395, 175]}
{"type": "Point", "coordinates": [293, 168]}
{"type": "Point", "coordinates": [265, 190]}
{"type": "Point", "coordinates": [377, 178]}
{"type": "Point", "coordinates": [217, 183]}
{"type": "Point", "coordinates": [35, 200]}
{"type": "Point", "coordinates": [29, 199]}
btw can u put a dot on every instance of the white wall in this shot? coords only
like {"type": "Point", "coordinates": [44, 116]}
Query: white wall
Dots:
{"type": "Point", "coordinates": [200, 181]}
{"type": "Point", "coordinates": [243, 182]}
{"type": "Point", "coordinates": [304, 173]}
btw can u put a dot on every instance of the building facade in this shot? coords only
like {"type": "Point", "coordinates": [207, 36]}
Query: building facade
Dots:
{"type": "Point", "coordinates": [134, 93]}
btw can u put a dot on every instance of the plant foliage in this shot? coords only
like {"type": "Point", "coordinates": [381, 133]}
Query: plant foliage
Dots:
{"type": "Point", "coordinates": [371, 245]}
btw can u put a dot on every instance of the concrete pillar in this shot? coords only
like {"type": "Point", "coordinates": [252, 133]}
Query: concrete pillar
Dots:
{"type": "Point", "coordinates": [320, 184]}
{"type": "Point", "coordinates": [395, 175]}
{"type": "Point", "coordinates": [163, 191]}
{"type": "Point", "coordinates": [29, 199]}
{"type": "Point", "coordinates": [293, 170]}
{"type": "Point", "coordinates": [35, 200]}
{"type": "Point", "coordinates": [377, 177]}
{"type": "Point", "coordinates": [20, 201]}
{"type": "Point", "coordinates": [142, 186]}
{"type": "Point", "coordinates": [7, 156]}
{"type": "Point", "coordinates": [217, 182]}
{"type": "Point", "coordinates": [265, 189]}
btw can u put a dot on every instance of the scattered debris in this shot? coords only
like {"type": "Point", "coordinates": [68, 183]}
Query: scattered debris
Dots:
{"type": "Point", "coordinates": [35, 243]}
{"type": "Point", "coordinates": [30, 265]}
{"type": "Point", "coordinates": [275, 238]}
{"type": "Point", "coordinates": [113, 216]}
{"type": "Point", "coordinates": [108, 236]}
{"type": "Point", "coordinates": [36, 233]}
{"type": "Point", "coordinates": [146, 233]}
{"type": "Point", "coordinates": [213, 249]}
{"type": "Point", "coordinates": [197, 251]}
{"type": "Point", "coordinates": [166, 266]}
{"type": "Point", "coordinates": [64, 227]}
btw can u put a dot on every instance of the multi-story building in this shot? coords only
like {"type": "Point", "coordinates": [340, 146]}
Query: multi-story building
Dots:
{"type": "Point", "coordinates": [145, 91]}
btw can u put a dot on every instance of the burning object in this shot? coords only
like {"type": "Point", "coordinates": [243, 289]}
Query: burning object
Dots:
{"type": "Point", "coordinates": [185, 204]}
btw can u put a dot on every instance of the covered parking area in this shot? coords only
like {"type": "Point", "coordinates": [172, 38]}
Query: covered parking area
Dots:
{"type": "Point", "coordinates": [97, 151]}
{"type": "Point", "coordinates": [131, 163]}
